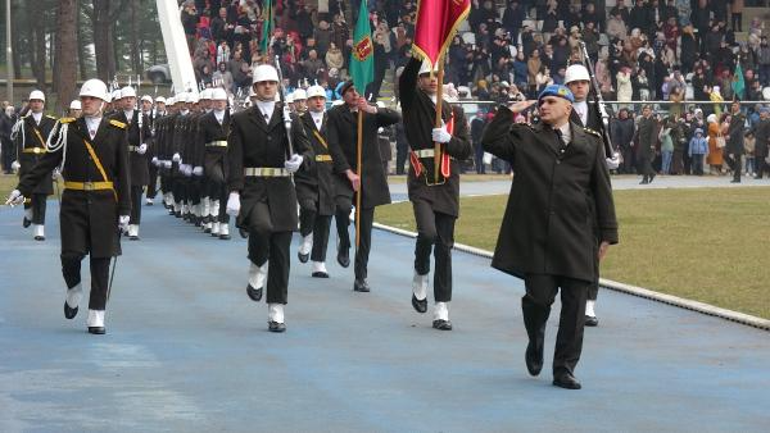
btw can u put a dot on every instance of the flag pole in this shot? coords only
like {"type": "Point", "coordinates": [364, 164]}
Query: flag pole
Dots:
{"type": "Point", "coordinates": [360, 178]}
{"type": "Point", "coordinates": [439, 99]}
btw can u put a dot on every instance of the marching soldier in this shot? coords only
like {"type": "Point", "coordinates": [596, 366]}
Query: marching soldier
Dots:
{"type": "Point", "coordinates": [342, 136]}
{"type": "Point", "coordinates": [29, 136]}
{"type": "Point", "coordinates": [95, 206]}
{"type": "Point", "coordinates": [261, 192]}
{"type": "Point", "coordinates": [586, 116]}
{"type": "Point", "coordinates": [214, 129]}
{"type": "Point", "coordinates": [315, 186]}
{"type": "Point", "coordinates": [138, 129]}
{"type": "Point", "coordinates": [151, 116]}
{"type": "Point", "coordinates": [560, 193]}
{"type": "Point", "coordinates": [434, 196]}
{"type": "Point", "coordinates": [300, 101]}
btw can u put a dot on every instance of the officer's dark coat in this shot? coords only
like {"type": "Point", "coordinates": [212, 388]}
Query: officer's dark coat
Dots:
{"type": "Point", "coordinates": [647, 137]}
{"type": "Point", "coordinates": [36, 135]}
{"type": "Point", "coordinates": [215, 157]}
{"type": "Point", "coordinates": [315, 181]}
{"type": "Point", "coordinates": [762, 134]}
{"type": "Point", "coordinates": [555, 202]}
{"type": "Point", "coordinates": [419, 113]}
{"type": "Point", "coordinates": [89, 219]}
{"type": "Point", "coordinates": [342, 135]}
{"type": "Point", "coordinates": [255, 143]}
{"type": "Point", "coordinates": [140, 171]}
{"type": "Point", "coordinates": [735, 135]}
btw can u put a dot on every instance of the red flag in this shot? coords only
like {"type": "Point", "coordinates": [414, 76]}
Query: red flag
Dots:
{"type": "Point", "coordinates": [437, 21]}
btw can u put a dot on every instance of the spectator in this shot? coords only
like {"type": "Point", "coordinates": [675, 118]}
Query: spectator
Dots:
{"type": "Point", "coordinates": [698, 150]}
{"type": "Point", "coordinates": [715, 159]}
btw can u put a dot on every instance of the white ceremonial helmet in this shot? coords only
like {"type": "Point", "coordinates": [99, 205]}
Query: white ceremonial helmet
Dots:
{"type": "Point", "coordinates": [127, 92]}
{"type": "Point", "coordinates": [425, 68]}
{"type": "Point", "coordinates": [264, 73]}
{"type": "Point", "coordinates": [37, 94]}
{"type": "Point", "coordinates": [76, 105]}
{"type": "Point", "coordinates": [95, 88]}
{"type": "Point", "coordinates": [316, 91]}
{"type": "Point", "coordinates": [218, 94]}
{"type": "Point", "coordinates": [147, 98]}
{"type": "Point", "coordinates": [576, 72]}
{"type": "Point", "coordinates": [289, 98]}
{"type": "Point", "coordinates": [299, 95]}
{"type": "Point", "coordinates": [205, 94]}
{"type": "Point", "coordinates": [192, 98]}
{"type": "Point", "coordinates": [115, 95]}
{"type": "Point", "coordinates": [160, 100]}
{"type": "Point", "coordinates": [180, 97]}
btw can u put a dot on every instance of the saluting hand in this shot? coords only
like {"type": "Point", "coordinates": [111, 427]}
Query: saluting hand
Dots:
{"type": "Point", "coordinates": [521, 106]}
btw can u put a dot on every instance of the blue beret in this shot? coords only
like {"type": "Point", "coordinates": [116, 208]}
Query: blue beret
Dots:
{"type": "Point", "coordinates": [557, 90]}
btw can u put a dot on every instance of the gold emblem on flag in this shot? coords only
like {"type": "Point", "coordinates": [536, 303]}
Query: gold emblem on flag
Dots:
{"type": "Point", "coordinates": [363, 49]}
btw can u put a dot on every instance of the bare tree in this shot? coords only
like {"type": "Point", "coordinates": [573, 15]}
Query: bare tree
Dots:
{"type": "Point", "coordinates": [66, 55]}
{"type": "Point", "coordinates": [103, 17]}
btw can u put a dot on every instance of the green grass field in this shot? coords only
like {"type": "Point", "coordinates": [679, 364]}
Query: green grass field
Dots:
{"type": "Point", "coordinates": [710, 245]}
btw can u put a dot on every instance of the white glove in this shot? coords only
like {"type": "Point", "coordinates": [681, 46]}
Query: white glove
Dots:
{"type": "Point", "coordinates": [614, 162]}
{"type": "Point", "coordinates": [15, 198]}
{"type": "Point", "coordinates": [167, 164]}
{"type": "Point", "coordinates": [293, 164]}
{"type": "Point", "coordinates": [123, 221]}
{"type": "Point", "coordinates": [233, 204]}
{"type": "Point", "coordinates": [142, 149]}
{"type": "Point", "coordinates": [56, 175]}
{"type": "Point", "coordinates": [155, 161]}
{"type": "Point", "coordinates": [15, 166]}
{"type": "Point", "coordinates": [188, 170]}
{"type": "Point", "coordinates": [441, 135]}
{"type": "Point", "coordinates": [176, 158]}
{"type": "Point", "coordinates": [197, 171]}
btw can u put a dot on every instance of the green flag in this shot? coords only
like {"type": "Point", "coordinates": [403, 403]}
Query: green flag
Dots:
{"type": "Point", "coordinates": [362, 57]}
{"type": "Point", "coordinates": [267, 25]}
{"type": "Point", "coordinates": [739, 85]}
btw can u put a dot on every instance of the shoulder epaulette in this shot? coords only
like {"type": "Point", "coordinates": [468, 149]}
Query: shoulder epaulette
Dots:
{"type": "Point", "coordinates": [67, 120]}
{"type": "Point", "coordinates": [50, 117]}
{"type": "Point", "coordinates": [592, 132]}
{"type": "Point", "coordinates": [118, 124]}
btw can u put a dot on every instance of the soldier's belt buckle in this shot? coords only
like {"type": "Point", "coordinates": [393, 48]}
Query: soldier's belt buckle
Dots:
{"type": "Point", "coordinates": [36, 150]}
{"type": "Point", "coordinates": [88, 186]}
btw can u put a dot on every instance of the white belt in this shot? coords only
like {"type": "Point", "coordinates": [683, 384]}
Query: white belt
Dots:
{"type": "Point", "coordinates": [425, 153]}
{"type": "Point", "coordinates": [218, 143]}
{"type": "Point", "coordinates": [265, 172]}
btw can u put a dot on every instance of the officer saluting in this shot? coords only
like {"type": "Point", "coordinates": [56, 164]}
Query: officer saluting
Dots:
{"type": "Point", "coordinates": [93, 154]}
{"type": "Point", "coordinates": [435, 203]}
{"type": "Point", "coordinates": [261, 192]}
{"type": "Point", "coordinates": [29, 135]}
{"type": "Point", "coordinates": [315, 184]}
{"type": "Point", "coordinates": [561, 191]}
{"type": "Point", "coordinates": [342, 135]}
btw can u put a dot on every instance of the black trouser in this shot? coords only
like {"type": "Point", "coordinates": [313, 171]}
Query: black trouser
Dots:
{"type": "Point", "coordinates": [434, 228]}
{"type": "Point", "coordinates": [7, 151]}
{"type": "Point", "coordinates": [223, 195]}
{"type": "Point", "coordinates": [536, 307]}
{"type": "Point", "coordinates": [365, 236]}
{"type": "Point", "coordinates": [318, 225]}
{"type": "Point", "coordinates": [645, 167]}
{"type": "Point", "coordinates": [735, 162]}
{"type": "Point", "coordinates": [264, 245]}
{"type": "Point", "coordinates": [402, 151]}
{"type": "Point", "coordinates": [136, 204]}
{"type": "Point", "coordinates": [38, 205]}
{"type": "Point", "coordinates": [152, 187]}
{"type": "Point", "coordinates": [759, 165]}
{"type": "Point", "coordinates": [480, 168]}
{"type": "Point", "coordinates": [100, 271]}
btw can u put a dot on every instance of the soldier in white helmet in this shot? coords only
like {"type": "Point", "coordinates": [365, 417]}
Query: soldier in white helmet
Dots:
{"type": "Point", "coordinates": [150, 117]}
{"type": "Point", "coordinates": [75, 109]}
{"type": "Point", "coordinates": [300, 101]}
{"type": "Point", "coordinates": [315, 186]}
{"type": "Point", "coordinates": [92, 152]}
{"type": "Point", "coordinates": [262, 195]}
{"type": "Point", "coordinates": [29, 135]}
{"type": "Point", "coordinates": [213, 129]}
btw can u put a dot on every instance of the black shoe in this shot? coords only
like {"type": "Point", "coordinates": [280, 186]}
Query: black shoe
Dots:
{"type": "Point", "coordinates": [98, 330]}
{"type": "Point", "coordinates": [26, 222]}
{"type": "Point", "coordinates": [652, 176]}
{"type": "Point", "coordinates": [276, 327]}
{"type": "Point", "coordinates": [442, 325]}
{"type": "Point", "coordinates": [534, 357]}
{"type": "Point", "coordinates": [244, 233]}
{"type": "Point", "coordinates": [39, 238]}
{"type": "Point", "coordinates": [70, 313]}
{"type": "Point", "coordinates": [567, 381]}
{"type": "Point", "coordinates": [254, 294]}
{"type": "Point", "coordinates": [133, 238]}
{"type": "Point", "coordinates": [178, 214]}
{"type": "Point", "coordinates": [361, 286]}
{"type": "Point", "coordinates": [224, 237]}
{"type": "Point", "coordinates": [419, 306]}
{"type": "Point", "coordinates": [319, 274]}
{"type": "Point", "coordinates": [592, 321]}
{"type": "Point", "coordinates": [303, 258]}
{"type": "Point", "coordinates": [644, 182]}
{"type": "Point", "coordinates": [206, 230]}
{"type": "Point", "coordinates": [343, 257]}
{"type": "Point", "coordinates": [735, 181]}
